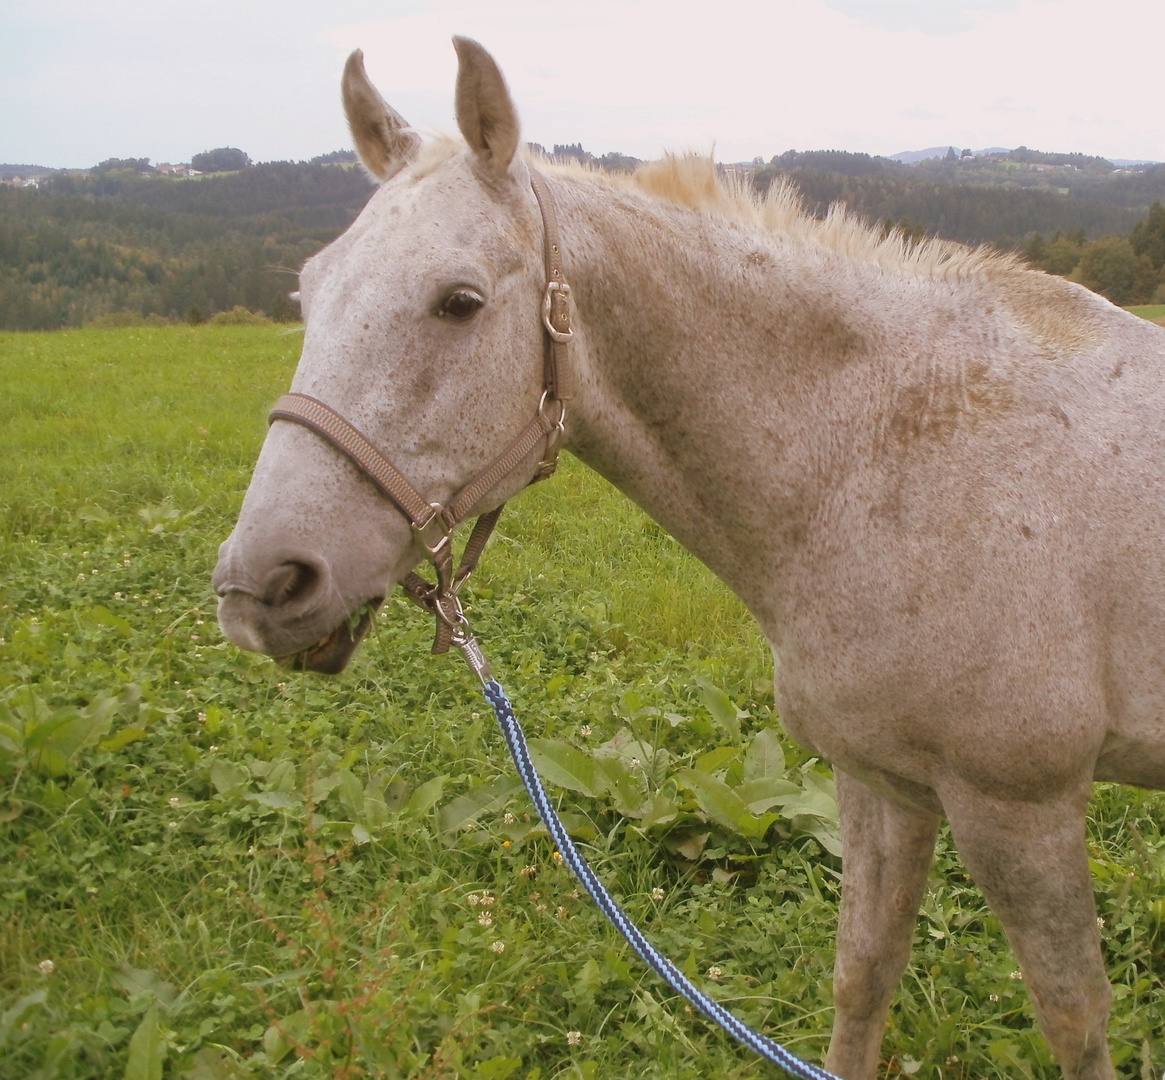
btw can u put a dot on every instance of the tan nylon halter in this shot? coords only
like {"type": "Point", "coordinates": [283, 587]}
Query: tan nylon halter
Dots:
{"type": "Point", "coordinates": [432, 523]}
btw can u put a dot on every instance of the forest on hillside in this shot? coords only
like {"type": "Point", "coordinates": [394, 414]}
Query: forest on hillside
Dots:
{"type": "Point", "coordinates": [123, 242]}
{"type": "Point", "coordinates": [80, 248]}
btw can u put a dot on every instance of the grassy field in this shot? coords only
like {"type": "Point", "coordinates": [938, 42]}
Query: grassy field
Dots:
{"type": "Point", "coordinates": [1152, 312]}
{"type": "Point", "coordinates": [214, 869]}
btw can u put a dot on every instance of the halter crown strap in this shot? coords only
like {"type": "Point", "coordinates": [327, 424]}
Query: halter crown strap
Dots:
{"type": "Point", "coordinates": [556, 306]}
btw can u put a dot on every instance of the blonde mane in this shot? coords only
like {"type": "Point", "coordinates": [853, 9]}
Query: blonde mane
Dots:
{"type": "Point", "coordinates": [693, 181]}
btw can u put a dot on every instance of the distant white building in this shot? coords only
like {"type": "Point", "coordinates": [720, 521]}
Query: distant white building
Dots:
{"type": "Point", "coordinates": [177, 170]}
{"type": "Point", "coordinates": [739, 168]}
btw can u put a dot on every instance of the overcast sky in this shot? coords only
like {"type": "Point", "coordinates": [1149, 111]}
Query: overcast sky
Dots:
{"type": "Point", "coordinates": [81, 81]}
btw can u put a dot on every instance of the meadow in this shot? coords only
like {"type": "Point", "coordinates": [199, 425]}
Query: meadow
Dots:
{"type": "Point", "coordinates": [214, 868]}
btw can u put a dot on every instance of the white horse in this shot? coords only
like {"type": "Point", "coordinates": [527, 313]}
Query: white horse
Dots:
{"type": "Point", "coordinates": [936, 478]}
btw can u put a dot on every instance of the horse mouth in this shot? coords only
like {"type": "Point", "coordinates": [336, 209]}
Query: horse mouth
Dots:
{"type": "Point", "coordinates": [330, 655]}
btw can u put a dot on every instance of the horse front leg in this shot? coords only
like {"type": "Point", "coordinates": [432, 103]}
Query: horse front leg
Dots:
{"type": "Point", "coordinates": [887, 850]}
{"type": "Point", "coordinates": [1031, 861]}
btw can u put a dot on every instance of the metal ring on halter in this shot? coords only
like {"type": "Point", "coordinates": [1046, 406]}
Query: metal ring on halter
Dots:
{"type": "Point", "coordinates": [458, 620]}
{"type": "Point", "coordinates": [560, 423]}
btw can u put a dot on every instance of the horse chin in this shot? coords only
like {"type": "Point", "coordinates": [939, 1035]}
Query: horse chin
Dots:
{"type": "Point", "coordinates": [330, 655]}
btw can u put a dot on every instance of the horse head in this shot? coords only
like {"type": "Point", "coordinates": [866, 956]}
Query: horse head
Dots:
{"type": "Point", "coordinates": [423, 328]}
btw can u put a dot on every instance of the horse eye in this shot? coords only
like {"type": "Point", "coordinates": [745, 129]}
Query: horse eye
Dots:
{"type": "Point", "coordinates": [462, 304]}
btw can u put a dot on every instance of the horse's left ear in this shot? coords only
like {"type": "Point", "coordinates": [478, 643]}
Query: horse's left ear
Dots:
{"type": "Point", "coordinates": [485, 112]}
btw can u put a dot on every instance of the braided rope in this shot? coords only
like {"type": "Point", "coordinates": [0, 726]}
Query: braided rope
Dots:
{"type": "Point", "coordinates": [661, 965]}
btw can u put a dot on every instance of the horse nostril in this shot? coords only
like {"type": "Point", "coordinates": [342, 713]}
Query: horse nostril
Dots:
{"type": "Point", "coordinates": [289, 582]}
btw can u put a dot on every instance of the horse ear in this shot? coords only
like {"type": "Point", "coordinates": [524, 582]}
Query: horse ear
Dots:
{"type": "Point", "coordinates": [384, 141]}
{"type": "Point", "coordinates": [485, 112]}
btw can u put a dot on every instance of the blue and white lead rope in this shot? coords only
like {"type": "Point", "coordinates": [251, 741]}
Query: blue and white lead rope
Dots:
{"type": "Point", "coordinates": [661, 965]}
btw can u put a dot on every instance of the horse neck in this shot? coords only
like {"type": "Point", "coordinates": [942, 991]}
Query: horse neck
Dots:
{"type": "Point", "coordinates": [718, 383]}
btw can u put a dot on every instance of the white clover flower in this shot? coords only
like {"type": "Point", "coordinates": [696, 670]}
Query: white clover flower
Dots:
{"type": "Point", "coordinates": [657, 893]}
{"type": "Point", "coordinates": [573, 1038]}
{"type": "Point", "coordinates": [174, 803]}
{"type": "Point", "coordinates": [473, 899]}
{"type": "Point", "coordinates": [715, 973]}
{"type": "Point", "coordinates": [200, 717]}
{"type": "Point", "coordinates": [485, 919]}
{"type": "Point", "coordinates": [497, 946]}
{"type": "Point", "coordinates": [488, 899]}
{"type": "Point", "coordinates": [1016, 975]}
{"type": "Point", "coordinates": [529, 871]}
{"type": "Point", "coordinates": [46, 967]}
{"type": "Point", "coordinates": [172, 825]}
{"type": "Point", "coordinates": [562, 913]}
{"type": "Point", "coordinates": [585, 731]}
{"type": "Point", "coordinates": [508, 818]}
{"type": "Point", "coordinates": [212, 749]}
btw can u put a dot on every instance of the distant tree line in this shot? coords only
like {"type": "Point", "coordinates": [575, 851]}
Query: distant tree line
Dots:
{"type": "Point", "coordinates": [124, 240]}
{"type": "Point", "coordinates": [573, 152]}
{"type": "Point", "coordinates": [223, 159]}
{"type": "Point", "coordinates": [83, 246]}
{"type": "Point", "coordinates": [1126, 269]}
{"type": "Point", "coordinates": [1074, 215]}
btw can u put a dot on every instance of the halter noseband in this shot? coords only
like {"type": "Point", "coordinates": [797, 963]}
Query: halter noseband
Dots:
{"type": "Point", "coordinates": [432, 523]}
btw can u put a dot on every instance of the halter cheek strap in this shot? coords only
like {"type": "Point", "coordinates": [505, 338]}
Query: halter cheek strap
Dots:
{"type": "Point", "coordinates": [432, 523]}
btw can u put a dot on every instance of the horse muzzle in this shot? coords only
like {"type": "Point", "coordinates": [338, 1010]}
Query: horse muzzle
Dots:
{"type": "Point", "coordinates": [291, 610]}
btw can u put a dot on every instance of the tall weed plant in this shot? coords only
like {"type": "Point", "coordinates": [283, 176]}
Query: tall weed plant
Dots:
{"type": "Point", "coordinates": [215, 869]}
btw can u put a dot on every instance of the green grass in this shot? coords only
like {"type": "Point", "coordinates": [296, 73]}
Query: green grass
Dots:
{"type": "Point", "coordinates": [1149, 311]}
{"type": "Point", "coordinates": [236, 872]}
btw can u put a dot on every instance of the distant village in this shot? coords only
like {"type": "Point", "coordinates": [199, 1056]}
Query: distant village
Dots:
{"type": "Point", "coordinates": [35, 179]}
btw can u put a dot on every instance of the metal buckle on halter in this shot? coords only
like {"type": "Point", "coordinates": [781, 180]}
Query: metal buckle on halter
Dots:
{"type": "Point", "coordinates": [421, 530]}
{"type": "Point", "coordinates": [555, 305]}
